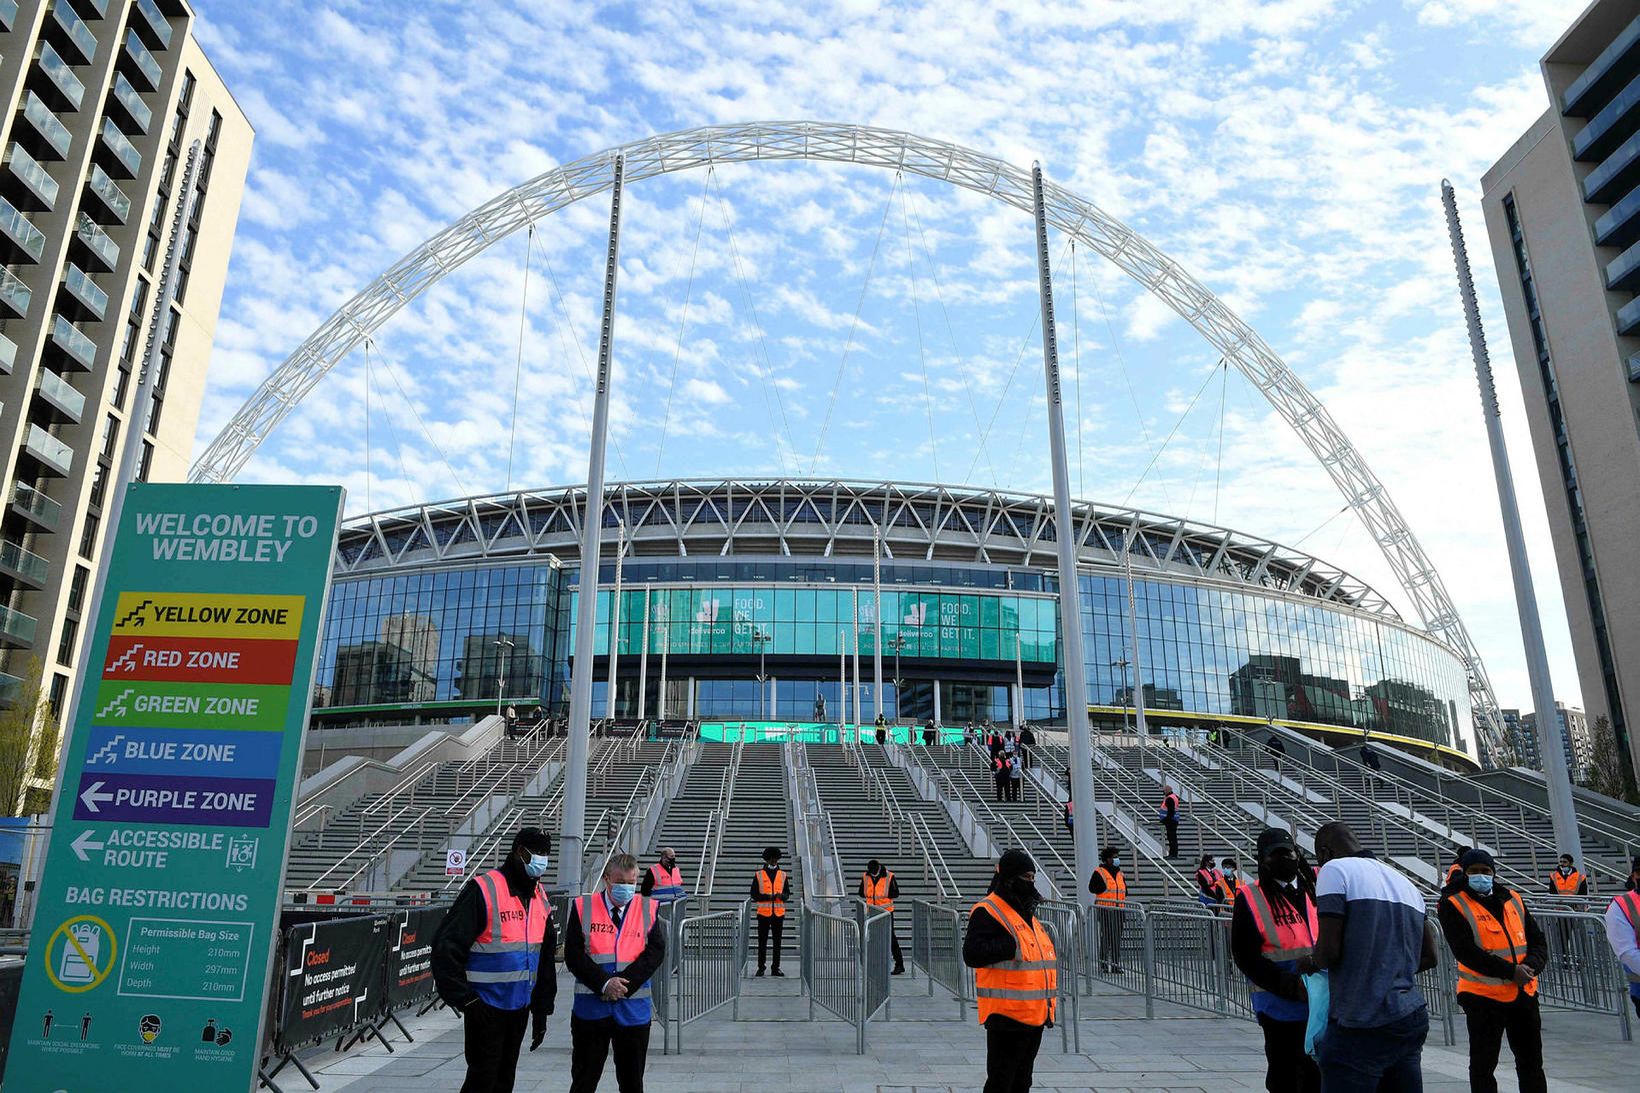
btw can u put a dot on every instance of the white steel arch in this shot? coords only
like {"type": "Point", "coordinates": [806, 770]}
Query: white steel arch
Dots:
{"type": "Point", "coordinates": [545, 194]}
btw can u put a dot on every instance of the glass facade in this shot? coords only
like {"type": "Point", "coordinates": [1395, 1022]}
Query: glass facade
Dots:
{"type": "Point", "coordinates": [457, 637]}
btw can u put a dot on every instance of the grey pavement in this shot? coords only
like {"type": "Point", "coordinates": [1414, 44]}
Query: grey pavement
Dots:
{"type": "Point", "coordinates": [923, 1048]}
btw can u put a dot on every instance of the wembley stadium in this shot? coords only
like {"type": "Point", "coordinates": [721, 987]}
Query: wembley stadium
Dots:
{"type": "Point", "coordinates": [759, 600]}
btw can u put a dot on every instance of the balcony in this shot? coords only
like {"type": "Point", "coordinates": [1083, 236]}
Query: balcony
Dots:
{"type": "Point", "coordinates": [23, 566]}
{"type": "Point", "coordinates": [126, 104]}
{"type": "Point", "coordinates": [70, 34]}
{"type": "Point", "coordinates": [8, 354]}
{"type": "Point", "coordinates": [139, 64]}
{"type": "Point", "coordinates": [53, 457]}
{"type": "Point", "coordinates": [1617, 65]}
{"type": "Point", "coordinates": [20, 240]}
{"type": "Point", "coordinates": [44, 134]}
{"type": "Point", "coordinates": [69, 347]}
{"type": "Point", "coordinates": [115, 154]}
{"type": "Point", "coordinates": [35, 507]}
{"type": "Point", "coordinates": [92, 243]}
{"type": "Point", "coordinates": [1634, 368]}
{"type": "Point", "coordinates": [91, 9]}
{"type": "Point", "coordinates": [61, 401]}
{"type": "Point", "coordinates": [81, 298]}
{"type": "Point", "coordinates": [16, 628]}
{"type": "Point", "coordinates": [8, 14]}
{"type": "Point", "coordinates": [11, 687]}
{"type": "Point", "coordinates": [56, 82]}
{"type": "Point", "coordinates": [109, 203]}
{"type": "Point", "coordinates": [28, 184]}
{"type": "Point", "coordinates": [151, 26]}
{"type": "Point", "coordinates": [14, 298]}
{"type": "Point", "coordinates": [1609, 128]}
{"type": "Point", "coordinates": [1628, 318]}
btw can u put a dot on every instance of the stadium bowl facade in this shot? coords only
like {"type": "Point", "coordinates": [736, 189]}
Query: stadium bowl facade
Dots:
{"type": "Point", "coordinates": [441, 611]}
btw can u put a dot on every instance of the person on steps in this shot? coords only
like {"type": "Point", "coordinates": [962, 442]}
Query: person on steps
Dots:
{"type": "Point", "coordinates": [771, 888]}
{"type": "Point", "coordinates": [878, 888]}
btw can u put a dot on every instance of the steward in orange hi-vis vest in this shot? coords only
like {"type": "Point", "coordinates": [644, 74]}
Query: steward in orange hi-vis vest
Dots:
{"type": "Point", "coordinates": [1015, 977]}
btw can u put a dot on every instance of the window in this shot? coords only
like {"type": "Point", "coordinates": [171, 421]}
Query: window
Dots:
{"type": "Point", "coordinates": [76, 587]}
{"type": "Point", "coordinates": [59, 693]}
{"type": "Point", "coordinates": [147, 460]}
{"type": "Point", "coordinates": [110, 436]}
{"type": "Point", "coordinates": [88, 538]}
{"type": "Point", "coordinates": [156, 232]}
{"type": "Point", "coordinates": [65, 644]}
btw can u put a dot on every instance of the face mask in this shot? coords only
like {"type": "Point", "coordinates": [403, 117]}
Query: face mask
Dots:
{"type": "Point", "coordinates": [669, 862]}
{"type": "Point", "coordinates": [1229, 870]}
{"type": "Point", "coordinates": [1022, 892]}
{"type": "Point", "coordinates": [536, 867]}
{"type": "Point", "coordinates": [621, 894]}
{"type": "Point", "coordinates": [1481, 885]}
{"type": "Point", "coordinates": [1284, 870]}
{"type": "Point", "coordinates": [1565, 870]}
{"type": "Point", "coordinates": [1116, 863]}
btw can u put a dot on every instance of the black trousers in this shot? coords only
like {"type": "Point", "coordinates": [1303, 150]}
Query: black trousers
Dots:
{"type": "Point", "coordinates": [1489, 1022]}
{"type": "Point", "coordinates": [1002, 788]}
{"type": "Point", "coordinates": [894, 940]}
{"type": "Point", "coordinates": [766, 925]}
{"type": "Point", "coordinates": [1010, 1055]}
{"type": "Point", "coordinates": [1286, 1068]}
{"type": "Point", "coordinates": [492, 1039]}
{"type": "Point", "coordinates": [590, 1042]}
{"type": "Point", "coordinates": [1172, 839]}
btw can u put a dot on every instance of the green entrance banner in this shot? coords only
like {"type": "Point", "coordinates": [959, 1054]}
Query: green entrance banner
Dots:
{"type": "Point", "coordinates": [158, 912]}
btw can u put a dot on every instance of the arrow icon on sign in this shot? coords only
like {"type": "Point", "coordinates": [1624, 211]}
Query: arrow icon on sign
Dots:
{"type": "Point", "coordinates": [83, 843]}
{"type": "Point", "coordinates": [91, 798]}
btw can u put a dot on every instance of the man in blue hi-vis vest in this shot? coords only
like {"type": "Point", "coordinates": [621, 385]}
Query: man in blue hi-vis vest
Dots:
{"type": "Point", "coordinates": [613, 944]}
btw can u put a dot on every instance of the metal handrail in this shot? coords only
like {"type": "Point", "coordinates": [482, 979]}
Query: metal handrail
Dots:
{"type": "Point", "coordinates": [379, 855]}
{"type": "Point", "coordinates": [940, 869]}
{"type": "Point", "coordinates": [406, 784]}
{"type": "Point", "coordinates": [976, 799]}
{"type": "Point", "coordinates": [497, 775]}
{"type": "Point", "coordinates": [1138, 807]}
{"type": "Point", "coordinates": [305, 814]}
{"type": "Point", "coordinates": [389, 822]}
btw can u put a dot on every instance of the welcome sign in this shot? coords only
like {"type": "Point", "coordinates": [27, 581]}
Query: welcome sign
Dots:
{"type": "Point", "coordinates": [158, 912]}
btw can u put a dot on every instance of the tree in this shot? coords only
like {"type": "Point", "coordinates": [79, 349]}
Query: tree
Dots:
{"type": "Point", "coordinates": [1607, 769]}
{"type": "Point", "coordinates": [28, 740]}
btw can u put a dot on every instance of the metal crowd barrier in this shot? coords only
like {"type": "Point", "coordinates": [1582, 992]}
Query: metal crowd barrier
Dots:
{"type": "Point", "coordinates": [877, 961]}
{"type": "Point", "coordinates": [833, 966]}
{"type": "Point", "coordinates": [707, 968]}
{"type": "Point", "coordinates": [1582, 974]}
{"type": "Point", "coordinates": [1113, 949]}
{"type": "Point", "coordinates": [1188, 957]}
{"type": "Point", "coordinates": [1063, 921]}
{"type": "Point", "coordinates": [936, 948]}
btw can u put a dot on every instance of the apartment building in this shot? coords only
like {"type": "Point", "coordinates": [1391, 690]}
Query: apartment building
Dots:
{"type": "Point", "coordinates": [104, 99]}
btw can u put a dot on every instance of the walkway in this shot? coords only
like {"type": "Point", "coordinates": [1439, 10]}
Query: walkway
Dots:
{"type": "Point", "coordinates": [923, 1049]}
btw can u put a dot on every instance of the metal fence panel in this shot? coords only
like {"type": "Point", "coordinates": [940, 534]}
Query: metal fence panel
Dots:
{"type": "Point", "coordinates": [936, 948]}
{"type": "Point", "coordinates": [1063, 922]}
{"type": "Point", "coordinates": [878, 955]}
{"type": "Point", "coordinates": [832, 969]}
{"type": "Point", "coordinates": [708, 965]}
{"type": "Point", "coordinates": [1189, 958]}
{"type": "Point", "coordinates": [1113, 949]}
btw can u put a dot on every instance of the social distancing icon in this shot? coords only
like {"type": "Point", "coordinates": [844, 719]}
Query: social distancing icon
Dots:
{"type": "Point", "coordinates": [80, 954]}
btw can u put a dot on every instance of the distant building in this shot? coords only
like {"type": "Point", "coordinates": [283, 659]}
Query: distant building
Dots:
{"type": "Point", "coordinates": [1578, 744]}
{"type": "Point", "coordinates": [1563, 213]}
{"type": "Point", "coordinates": [1522, 740]}
{"type": "Point", "coordinates": [102, 102]}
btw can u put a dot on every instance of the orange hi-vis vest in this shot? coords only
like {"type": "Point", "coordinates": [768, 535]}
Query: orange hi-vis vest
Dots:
{"type": "Point", "coordinates": [612, 950]}
{"type": "Point", "coordinates": [770, 901]}
{"type": "Point", "coordinates": [1024, 988]}
{"type": "Point", "coordinates": [668, 883]}
{"type": "Point", "coordinates": [1630, 903]}
{"type": "Point", "coordinates": [877, 890]}
{"type": "Point", "coordinates": [1506, 939]}
{"type": "Point", "coordinates": [1115, 893]}
{"type": "Point", "coordinates": [1228, 886]}
{"type": "Point", "coordinates": [1451, 871]}
{"type": "Point", "coordinates": [502, 963]}
{"type": "Point", "coordinates": [1568, 885]}
{"type": "Point", "coordinates": [1281, 941]}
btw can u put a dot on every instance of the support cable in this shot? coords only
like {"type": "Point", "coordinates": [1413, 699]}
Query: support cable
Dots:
{"type": "Point", "coordinates": [939, 295]}
{"type": "Point", "coordinates": [1127, 381]}
{"type": "Point", "coordinates": [922, 354]}
{"type": "Point", "coordinates": [518, 367]}
{"type": "Point", "coordinates": [848, 343]}
{"type": "Point", "coordinates": [1170, 435]}
{"type": "Point", "coordinates": [393, 432]}
{"type": "Point", "coordinates": [392, 374]}
{"type": "Point", "coordinates": [1036, 321]}
{"type": "Point", "coordinates": [1218, 469]}
{"type": "Point", "coordinates": [683, 322]}
{"type": "Point", "coordinates": [586, 369]}
{"type": "Point", "coordinates": [767, 370]}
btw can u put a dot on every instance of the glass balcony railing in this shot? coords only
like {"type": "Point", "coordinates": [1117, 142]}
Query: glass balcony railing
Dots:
{"type": "Point", "coordinates": [36, 506]}
{"type": "Point", "coordinates": [73, 343]}
{"type": "Point", "coordinates": [60, 82]}
{"type": "Point", "coordinates": [90, 297]}
{"type": "Point", "coordinates": [135, 109]}
{"type": "Point", "coordinates": [8, 14]}
{"type": "Point", "coordinates": [1628, 317]}
{"type": "Point", "coordinates": [46, 449]}
{"type": "Point", "coordinates": [150, 23]}
{"type": "Point", "coordinates": [91, 9]}
{"type": "Point", "coordinates": [1609, 128]}
{"type": "Point", "coordinates": [11, 687]}
{"type": "Point", "coordinates": [123, 160]}
{"type": "Point", "coordinates": [57, 392]}
{"type": "Point", "coordinates": [14, 296]}
{"type": "Point", "coordinates": [8, 354]}
{"type": "Point", "coordinates": [142, 66]}
{"type": "Point", "coordinates": [20, 232]}
{"type": "Point", "coordinates": [23, 564]}
{"type": "Point", "coordinates": [1605, 74]}
{"type": "Point", "coordinates": [37, 181]}
{"type": "Point", "coordinates": [109, 194]}
{"type": "Point", "coordinates": [103, 249]}
{"type": "Point", "coordinates": [54, 135]}
{"type": "Point", "coordinates": [74, 35]}
{"type": "Point", "coordinates": [16, 628]}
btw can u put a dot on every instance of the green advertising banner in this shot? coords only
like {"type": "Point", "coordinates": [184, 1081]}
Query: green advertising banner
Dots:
{"type": "Point", "coordinates": [154, 930]}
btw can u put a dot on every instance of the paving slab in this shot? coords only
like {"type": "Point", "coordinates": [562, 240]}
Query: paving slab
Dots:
{"type": "Point", "coordinates": [924, 1048]}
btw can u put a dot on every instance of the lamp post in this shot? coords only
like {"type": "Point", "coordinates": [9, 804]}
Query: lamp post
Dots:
{"type": "Point", "coordinates": [761, 639]}
{"type": "Point", "coordinates": [897, 643]}
{"type": "Point", "coordinates": [501, 678]}
{"type": "Point", "coordinates": [1124, 665]}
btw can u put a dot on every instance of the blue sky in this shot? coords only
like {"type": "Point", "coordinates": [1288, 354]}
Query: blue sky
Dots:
{"type": "Point", "coordinates": [1287, 153]}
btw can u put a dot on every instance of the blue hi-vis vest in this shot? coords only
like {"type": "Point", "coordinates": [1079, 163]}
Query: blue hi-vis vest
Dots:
{"type": "Point", "coordinates": [502, 963]}
{"type": "Point", "coordinates": [612, 950]}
